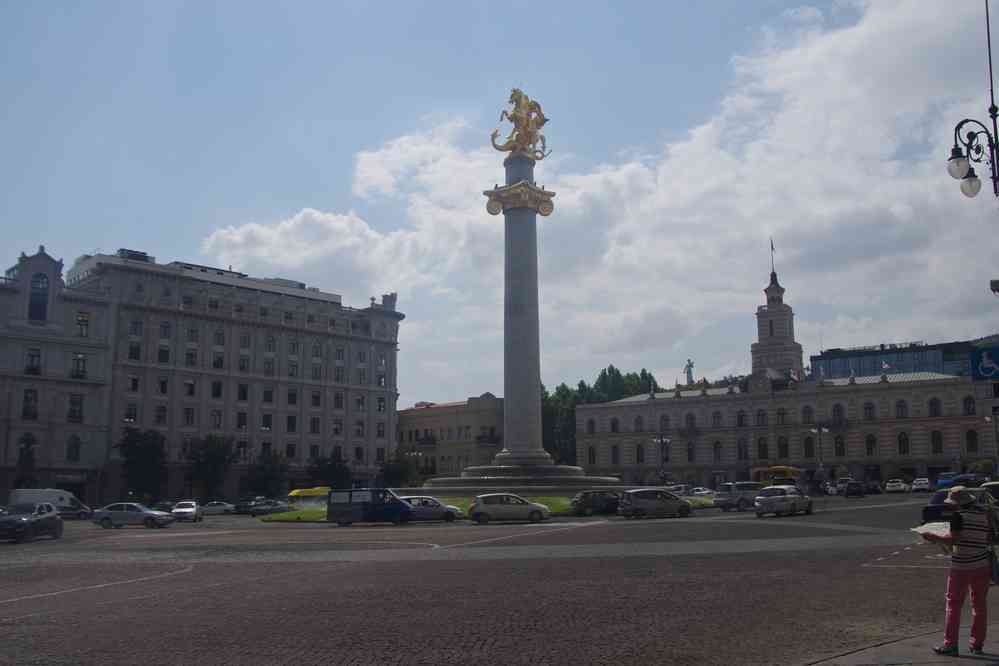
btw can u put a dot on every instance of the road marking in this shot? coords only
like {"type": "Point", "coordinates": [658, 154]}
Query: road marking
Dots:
{"type": "Point", "coordinates": [573, 526]}
{"type": "Point", "coordinates": [177, 534]}
{"type": "Point", "coordinates": [98, 587]}
{"type": "Point", "coordinates": [901, 566]}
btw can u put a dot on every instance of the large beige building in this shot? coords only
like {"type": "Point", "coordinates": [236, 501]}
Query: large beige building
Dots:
{"type": "Point", "coordinates": [447, 437]}
{"type": "Point", "coordinates": [871, 427]}
{"type": "Point", "coordinates": [190, 350]}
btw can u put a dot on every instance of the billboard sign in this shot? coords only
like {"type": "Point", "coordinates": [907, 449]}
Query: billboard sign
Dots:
{"type": "Point", "coordinates": [985, 364]}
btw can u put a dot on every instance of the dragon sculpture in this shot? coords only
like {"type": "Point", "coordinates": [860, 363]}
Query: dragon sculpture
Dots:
{"type": "Point", "coordinates": [528, 119]}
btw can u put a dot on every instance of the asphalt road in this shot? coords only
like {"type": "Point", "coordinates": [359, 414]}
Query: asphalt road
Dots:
{"type": "Point", "coordinates": [715, 588]}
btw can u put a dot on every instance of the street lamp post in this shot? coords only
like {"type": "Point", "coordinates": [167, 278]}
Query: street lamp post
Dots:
{"type": "Point", "coordinates": [663, 441]}
{"type": "Point", "coordinates": [818, 430]}
{"type": "Point", "coordinates": [973, 142]}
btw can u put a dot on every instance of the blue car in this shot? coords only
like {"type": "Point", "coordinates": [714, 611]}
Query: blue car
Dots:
{"type": "Point", "coordinates": [946, 480]}
{"type": "Point", "coordinates": [367, 505]}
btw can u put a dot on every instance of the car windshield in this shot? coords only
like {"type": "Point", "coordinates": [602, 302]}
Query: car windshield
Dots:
{"type": "Point", "coordinates": [184, 505]}
{"type": "Point", "coordinates": [20, 509]}
{"type": "Point", "coordinates": [771, 492]}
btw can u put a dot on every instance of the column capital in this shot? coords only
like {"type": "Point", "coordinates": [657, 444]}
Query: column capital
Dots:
{"type": "Point", "coordinates": [522, 194]}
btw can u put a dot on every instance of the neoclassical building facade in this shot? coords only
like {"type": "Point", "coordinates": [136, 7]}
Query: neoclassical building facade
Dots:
{"type": "Point", "coordinates": [187, 350]}
{"type": "Point", "coordinates": [872, 427]}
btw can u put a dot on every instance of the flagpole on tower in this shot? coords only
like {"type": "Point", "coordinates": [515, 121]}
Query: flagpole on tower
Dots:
{"type": "Point", "coordinates": [772, 269]}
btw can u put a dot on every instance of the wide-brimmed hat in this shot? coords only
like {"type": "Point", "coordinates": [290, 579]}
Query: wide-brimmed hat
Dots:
{"type": "Point", "coordinates": [959, 496]}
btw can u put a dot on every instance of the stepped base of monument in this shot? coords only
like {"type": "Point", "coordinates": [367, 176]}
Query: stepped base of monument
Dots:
{"type": "Point", "coordinates": [506, 476]}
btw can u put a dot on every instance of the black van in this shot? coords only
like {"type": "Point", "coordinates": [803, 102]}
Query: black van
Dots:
{"type": "Point", "coordinates": [367, 505]}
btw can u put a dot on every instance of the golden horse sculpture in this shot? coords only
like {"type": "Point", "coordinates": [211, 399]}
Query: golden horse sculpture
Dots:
{"type": "Point", "coordinates": [528, 119]}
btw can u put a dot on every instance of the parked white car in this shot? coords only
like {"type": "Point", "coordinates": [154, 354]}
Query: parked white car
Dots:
{"type": "Point", "coordinates": [920, 485]}
{"type": "Point", "coordinates": [217, 507]}
{"type": "Point", "coordinates": [896, 486]}
{"type": "Point", "coordinates": [187, 510]}
{"type": "Point", "coordinates": [782, 501]}
{"type": "Point", "coordinates": [506, 506]}
{"type": "Point", "coordinates": [700, 491]}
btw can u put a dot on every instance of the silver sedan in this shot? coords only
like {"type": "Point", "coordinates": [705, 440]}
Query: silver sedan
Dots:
{"type": "Point", "coordinates": [130, 513]}
{"type": "Point", "coordinates": [431, 508]}
{"type": "Point", "coordinates": [782, 501]}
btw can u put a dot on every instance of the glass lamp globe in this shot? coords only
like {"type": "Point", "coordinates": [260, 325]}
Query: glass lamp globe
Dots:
{"type": "Point", "coordinates": [970, 184]}
{"type": "Point", "coordinates": [957, 165]}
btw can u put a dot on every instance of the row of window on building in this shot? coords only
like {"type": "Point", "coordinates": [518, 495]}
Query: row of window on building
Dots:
{"type": "Point", "coordinates": [783, 450]}
{"type": "Point", "coordinates": [244, 452]}
{"type": "Point", "coordinates": [838, 416]}
{"type": "Point", "coordinates": [267, 393]}
{"type": "Point", "coordinates": [461, 433]}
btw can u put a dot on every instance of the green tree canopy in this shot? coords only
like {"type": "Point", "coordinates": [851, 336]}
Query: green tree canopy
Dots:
{"type": "Point", "coordinates": [268, 475]}
{"type": "Point", "coordinates": [210, 460]}
{"type": "Point", "coordinates": [143, 454]}
{"type": "Point", "coordinates": [330, 471]}
{"type": "Point", "coordinates": [401, 471]}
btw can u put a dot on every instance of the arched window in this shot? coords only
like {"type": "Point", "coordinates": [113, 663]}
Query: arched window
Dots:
{"type": "Point", "coordinates": [38, 300]}
{"type": "Point", "coordinates": [969, 406]}
{"type": "Point", "coordinates": [762, 450]}
{"type": "Point", "coordinates": [903, 444]}
{"type": "Point", "coordinates": [971, 441]}
{"type": "Point", "coordinates": [591, 456]}
{"type": "Point", "coordinates": [639, 424]}
{"type": "Point", "coordinates": [716, 452]}
{"type": "Point", "coordinates": [690, 421]}
{"type": "Point", "coordinates": [761, 417]}
{"type": "Point", "coordinates": [838, 414]}
{"type": "Point", "coordinates": [740, 419]}
{"type": "Point", "coordinates": [591, 426]}
{"type": "Point", "coordinates": [809, 446]}
{"type": "Point", "coordinates": [901, 409]}
{"type": "Point", "coordinates": [782, 448]}
{"type": "Point", "coordinates": [615, 426]}
{"type": "Point", "coordinates": [869, 411]}
{"type": "Point", "coordinates": [936, 442]}
{"type": "Point", "coordinates": [871, 446]}
{"type": "Point", "coordinates": [615, 455]}
{"type": "Point", "coordinates": [742, 449]}
{"type": "Point", "coordinates": [716, 420]}
{"type": "Point", "coordinates": [839, 446]}
{"type": "Point", "coordinates": [664, 422]}
{"type": "Point", "coordinates": [807, 415]}
{"type": "Point", "coordinates": [640, 454]}
{"type": "Point", "coordinates": [691, 453]}
{"type": "Point", "coordinates": [934, 407]}
{"type": "Point", "coordinates": [781, 416]}
{"type": "Point", "coordinates": [73, 449]}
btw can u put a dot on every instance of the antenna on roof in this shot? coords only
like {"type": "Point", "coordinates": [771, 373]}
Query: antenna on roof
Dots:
{"type": "Point", "coordinates": [772, 269]}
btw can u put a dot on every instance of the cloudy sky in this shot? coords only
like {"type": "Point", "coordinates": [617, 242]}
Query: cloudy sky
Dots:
{"type": "Point", "coordinates": [345, 145]}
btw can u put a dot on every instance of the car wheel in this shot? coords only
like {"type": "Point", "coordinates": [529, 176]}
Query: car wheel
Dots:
{"type": "Point", "coordinates": [535, 517]}
{"type": "Point", "coordinates": [759, 515]}
{"type": "Point", "coordinates": [808, 509]}
{"type": "Point", "coordinates": [726, 508]}
{"type": "Point", "coordinates": [684, 511]}
{"type": "Point", "coordinates": [448, 517]}
{"type": "Point", "coordinates": [343, 523]}
{"type": "Point", "coordinates": [742, 505]}
{"type": "Point", "coordinates": [106, 523]}
{"type": "Point", "coordinates": [588, 511]}
{"type": "Point", "coordinates": [57, 532]}
{"type": "Point", "coordinates": [482, 518]}
{"type": "Point", "coordinates": [82, 515]}
{"type": "Point", "coordinates": [149, 523]}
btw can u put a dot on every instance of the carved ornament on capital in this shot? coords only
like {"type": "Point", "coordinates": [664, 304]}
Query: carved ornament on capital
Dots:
{"type": "Point", "coordinates": [520, 195]}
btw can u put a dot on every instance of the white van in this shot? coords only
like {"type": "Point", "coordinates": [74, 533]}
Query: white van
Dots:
{"type": "Point", "coordinates": [66, 503]}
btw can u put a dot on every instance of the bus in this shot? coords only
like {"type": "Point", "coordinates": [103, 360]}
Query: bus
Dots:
{"type": "Point", "coordinates": [309, 497]}
{"type": "Point", "coordinates": [777, 475]}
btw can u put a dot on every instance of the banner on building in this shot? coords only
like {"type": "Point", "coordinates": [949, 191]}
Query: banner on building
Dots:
{"type": "Point", "coordinates": [985, 363]}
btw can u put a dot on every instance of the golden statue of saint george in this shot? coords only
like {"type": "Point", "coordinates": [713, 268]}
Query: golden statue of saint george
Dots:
{"type": "Point", "coordinates": [528, 119]}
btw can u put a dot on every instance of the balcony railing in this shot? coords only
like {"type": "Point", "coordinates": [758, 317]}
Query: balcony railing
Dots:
{"type": "Point", "coordinates": [32, 370]}
{"type": "Point", "coordinates": [77, 374]}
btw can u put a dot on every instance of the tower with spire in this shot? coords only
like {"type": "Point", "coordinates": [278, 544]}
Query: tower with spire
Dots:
{"type": "Point", "coordinates": [775, 348]}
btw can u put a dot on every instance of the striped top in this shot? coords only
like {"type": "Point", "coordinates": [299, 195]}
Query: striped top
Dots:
{"type": "Point", "coordinates": [972, 550]}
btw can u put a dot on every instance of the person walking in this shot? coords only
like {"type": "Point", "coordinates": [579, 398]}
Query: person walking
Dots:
{"type": "Point", "coordinates": [970, 537]}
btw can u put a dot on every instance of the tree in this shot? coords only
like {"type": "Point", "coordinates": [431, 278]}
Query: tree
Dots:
{"type": "Point", "coordinates": [26, 462]}
{"type": "Point", "coordinates": [268, 475]}
{"type": "Point", "coordinates": [210, 460]}
{"type": "Point", "coordinates": [330, 471]}
{"type": "Point", "coordinates": [143, 456]}
{"type": "Point", "coordinates": [401, 471]}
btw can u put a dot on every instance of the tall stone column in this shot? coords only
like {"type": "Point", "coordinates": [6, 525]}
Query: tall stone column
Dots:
{"type": "Point", "coordinates": [521, 201]}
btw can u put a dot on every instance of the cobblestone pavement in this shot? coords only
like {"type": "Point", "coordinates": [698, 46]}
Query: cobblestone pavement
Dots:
{"type": "Point", "coordinates": [712, 589]}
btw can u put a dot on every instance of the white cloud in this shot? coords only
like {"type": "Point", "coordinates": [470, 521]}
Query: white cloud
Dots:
{"type": "Point", "coordinates": [832, 140]}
